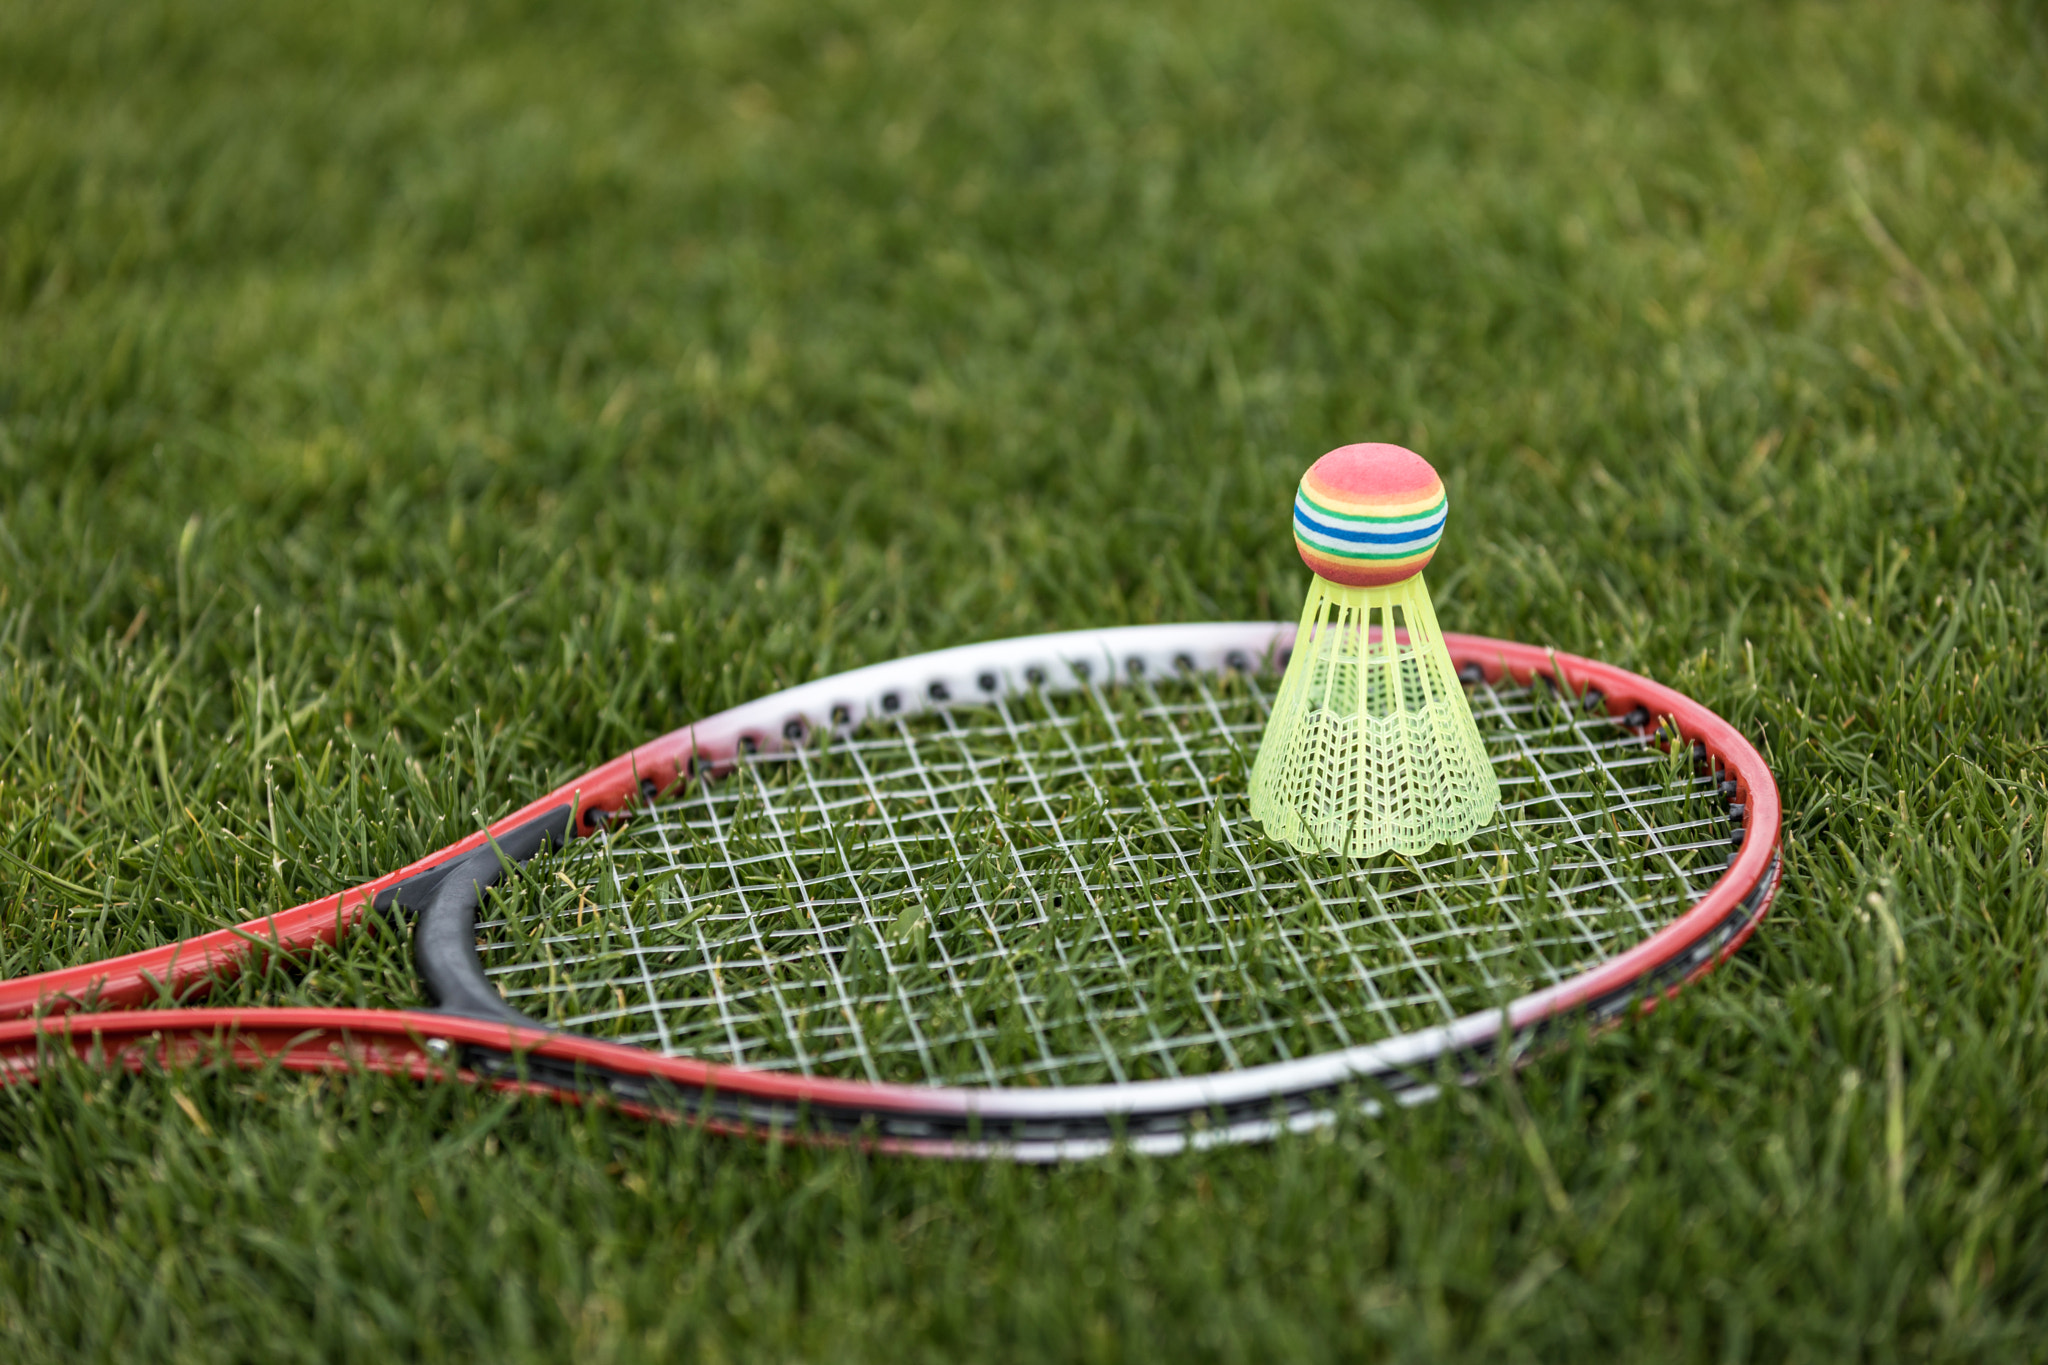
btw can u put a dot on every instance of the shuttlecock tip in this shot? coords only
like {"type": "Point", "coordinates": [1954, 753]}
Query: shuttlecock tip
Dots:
{"type": "Point", "coordinates": [1368, 515]}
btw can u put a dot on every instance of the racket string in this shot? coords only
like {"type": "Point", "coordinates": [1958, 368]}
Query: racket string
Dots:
{"type": "Point", "coordinates": [1065, 889]}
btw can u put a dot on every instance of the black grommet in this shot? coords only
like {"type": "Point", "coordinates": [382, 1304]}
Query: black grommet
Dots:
{"type": "Point", "coordinates": [1185, 663]}
{"type": "Point", "coordinates": [1286, 656]}
{"type": "Point", "coordinates": [1034, 675]}
{"type": "Point", "coordinates": [1738, 812]}
{"type": "Point", "coordinates": [1728, 790]}
{"type": "Point", "coordinates": [892, 702]}
{"type": "Point", "coordinates": [648, 791]}
{"type": "Point", "coordinates": [1082, 668]}
{"type": "Point", "coordinates": [988, 682]}
{"type": "Point", "coordinates": [1472, 673]}
{"type": "Point", "coordinates": [1236, 662]}
{"type": "Point", "coordinates": [842, 714]}
{"type": "Point", "coordinates": [1637, 719]}
{"type": "Point", "coordinates": [938, 691]}
{"type": "Point", "coordinates": [750, 744]}
{"type": "Point", "coordinates": [596, 816]}
{"type": "Point", "coordinates": [794, 728]}
{"type": "Point", "coordinates": [1594, 699]}
{"type": "Point", "coordinates": [1135, 666]}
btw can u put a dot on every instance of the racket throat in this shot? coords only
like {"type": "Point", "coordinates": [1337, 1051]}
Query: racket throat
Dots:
{"type": "Point", "coordinates": [446, 901]}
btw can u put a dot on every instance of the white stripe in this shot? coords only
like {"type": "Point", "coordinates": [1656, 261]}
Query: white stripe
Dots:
{"type": "Point", "coordinates": [1352, 549]}
{"type": "Point", "coordinates": [1433, 517]}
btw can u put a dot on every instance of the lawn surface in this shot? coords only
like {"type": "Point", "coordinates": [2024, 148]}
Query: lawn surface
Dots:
{"type": "Point", "coordinates": [404, 407]}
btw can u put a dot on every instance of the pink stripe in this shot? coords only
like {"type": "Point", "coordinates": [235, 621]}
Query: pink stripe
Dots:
{"type": "Point", "coordinates": [1371, 475]}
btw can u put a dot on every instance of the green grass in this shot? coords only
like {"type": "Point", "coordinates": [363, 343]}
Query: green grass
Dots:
{"type": "Point", "coordinates": [400, 411]}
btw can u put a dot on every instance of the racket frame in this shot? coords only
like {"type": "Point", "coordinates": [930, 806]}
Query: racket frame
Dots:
{"type": "Point", "coordinates": [89, 1009]}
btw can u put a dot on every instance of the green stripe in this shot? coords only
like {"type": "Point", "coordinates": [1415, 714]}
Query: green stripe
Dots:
{"type": "Point", "coordinates": [1342, 554]}
{"type": "Point", "coordinates": [1346, 516]}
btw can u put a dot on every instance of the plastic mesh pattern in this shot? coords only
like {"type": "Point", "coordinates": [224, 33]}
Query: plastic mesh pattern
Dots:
{"type": "Point", "coordinates": [1371, 746]}
{"type": "Point", "coordinates": [1063, 888]}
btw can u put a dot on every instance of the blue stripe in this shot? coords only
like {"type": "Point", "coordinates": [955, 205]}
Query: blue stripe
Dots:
{"type": "Point", "coordinates": [1431, 531]}
{"type": "Point", "coordinates": [1376, 553]}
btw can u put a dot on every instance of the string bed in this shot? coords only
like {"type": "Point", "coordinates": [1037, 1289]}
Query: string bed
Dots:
{"type": "Point", "coordinates": [1060, 889]}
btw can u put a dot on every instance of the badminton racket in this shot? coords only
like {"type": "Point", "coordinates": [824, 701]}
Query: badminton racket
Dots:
{"type": "Point", "coordinates": [1005, 900]}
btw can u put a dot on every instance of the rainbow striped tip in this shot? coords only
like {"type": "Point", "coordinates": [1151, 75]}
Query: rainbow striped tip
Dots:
{"type": "Point", "coordinates": [1369, 515]}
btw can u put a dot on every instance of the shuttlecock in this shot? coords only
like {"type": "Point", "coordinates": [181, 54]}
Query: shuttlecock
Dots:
{"type": "Point", "coordinates": [1370, 745]}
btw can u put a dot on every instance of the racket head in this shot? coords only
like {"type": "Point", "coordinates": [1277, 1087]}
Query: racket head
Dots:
{"type": "Point", "coordinates": [481, 1038]}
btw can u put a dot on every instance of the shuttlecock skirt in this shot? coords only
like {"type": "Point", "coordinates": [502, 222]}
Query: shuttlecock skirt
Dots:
{"type": "Point", "coordinates": [1371, 745]}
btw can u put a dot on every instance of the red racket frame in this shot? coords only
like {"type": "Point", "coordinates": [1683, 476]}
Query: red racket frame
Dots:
{"type": "Point", "coordinates": [92, 1009]}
